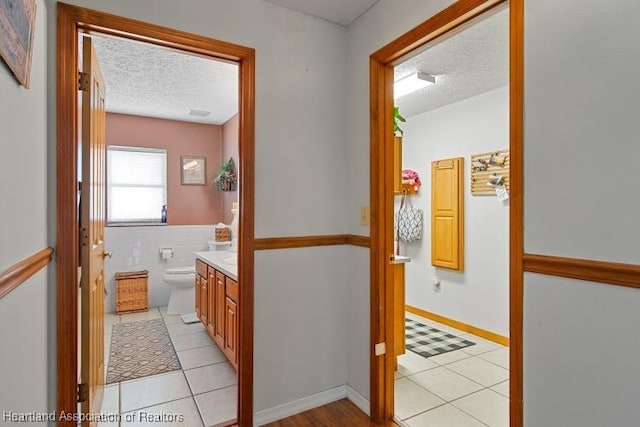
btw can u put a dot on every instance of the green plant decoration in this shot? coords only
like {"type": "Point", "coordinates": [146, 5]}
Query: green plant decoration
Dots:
{"type": "Point", "coordinates": [226, 178]}
{"type": "Point", "coordinates": [397, 118]}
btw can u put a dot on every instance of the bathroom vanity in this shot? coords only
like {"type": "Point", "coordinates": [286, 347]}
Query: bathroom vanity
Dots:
{"type": "Point", "coordinates": [217, 300]}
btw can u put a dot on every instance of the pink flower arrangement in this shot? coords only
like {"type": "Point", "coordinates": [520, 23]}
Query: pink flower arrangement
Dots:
{"type": "Point", "coordinates": [411, 177]}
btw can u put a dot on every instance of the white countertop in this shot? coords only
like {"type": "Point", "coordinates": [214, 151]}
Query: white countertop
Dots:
{"type": "Point", "coordinates": [216, 260]}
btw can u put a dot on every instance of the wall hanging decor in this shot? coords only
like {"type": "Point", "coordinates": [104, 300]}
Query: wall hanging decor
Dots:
{"type": "Point", "coordinates": [408, 222]}
{"type": "Point", "coordinates": [226, 177]}
{"type": "Point", "coordinates": [489, 172]}
{"type": "Point", "coordinates": [17, 23]}
{"type": "Point", "coordinates": [193, 170]}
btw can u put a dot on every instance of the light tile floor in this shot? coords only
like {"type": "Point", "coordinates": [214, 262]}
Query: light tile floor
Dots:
{"type": "Point", "coordinates": [462, 388]}
{"type": "Point", "coordinates": [203, 393]}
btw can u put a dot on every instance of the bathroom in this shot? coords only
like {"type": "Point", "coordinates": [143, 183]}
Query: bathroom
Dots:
{"type": "Point", "coordinates": [172, 193]}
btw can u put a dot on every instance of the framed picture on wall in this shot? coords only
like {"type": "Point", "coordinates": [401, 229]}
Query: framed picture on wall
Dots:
{"type": "Point", "coordinates": [17, 22]}
{"type": "Point", "coordinates": [193, 170]}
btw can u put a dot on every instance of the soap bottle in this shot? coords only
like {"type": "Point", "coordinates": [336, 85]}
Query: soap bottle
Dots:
{"type": "Point", "coordinates": [163, 215]}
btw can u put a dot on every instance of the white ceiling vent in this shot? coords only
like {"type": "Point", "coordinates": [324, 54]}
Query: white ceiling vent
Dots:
{"type": "Point", "coordinates": [199, 113]}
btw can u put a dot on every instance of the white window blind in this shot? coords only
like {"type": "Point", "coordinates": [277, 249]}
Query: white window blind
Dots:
{"type": "Point", "coordinates": [136, 184]}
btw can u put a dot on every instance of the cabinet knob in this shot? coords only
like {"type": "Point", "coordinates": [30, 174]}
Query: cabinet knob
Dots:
{"type": "Point", "coordinates": [107, 254]}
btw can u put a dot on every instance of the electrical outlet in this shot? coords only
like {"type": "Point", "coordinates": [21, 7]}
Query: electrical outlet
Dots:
{"type": "Point", "coordinates": [364, 215]}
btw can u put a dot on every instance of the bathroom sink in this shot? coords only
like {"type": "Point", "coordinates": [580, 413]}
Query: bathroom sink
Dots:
{"type": "Point", "coordinates": [231, 260]}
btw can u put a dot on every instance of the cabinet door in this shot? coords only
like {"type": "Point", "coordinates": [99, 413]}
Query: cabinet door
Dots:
{"type": "Point", "coordinates": [211, 302]}
{"type": "Point", "coordinates": [447, 214]}
{"type": "Point", "coordinates": [231, 332]}
{"type": "Point", "coordinates": [219, 330]}
{"type": "Point", "coordinates": [203, 300]}
{"type": "Point", "coordinates": [198, 295]}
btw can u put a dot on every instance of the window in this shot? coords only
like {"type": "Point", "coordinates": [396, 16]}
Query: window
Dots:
{"type": "Point", "coordinates": [136, 184]}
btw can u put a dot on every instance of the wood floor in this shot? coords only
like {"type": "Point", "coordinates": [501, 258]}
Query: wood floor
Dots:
{"type": "Point", "coordinates": [342, 413]}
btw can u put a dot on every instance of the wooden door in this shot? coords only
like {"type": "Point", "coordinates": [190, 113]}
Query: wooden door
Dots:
{"type": "Point", "coordinates": [231, 332]}
{"type": "Point", "coordinates": [218, 337]}
{"type": "Point", "coordinates": [203, 300]}
{"type": "Point", "coordinates": [198, 295]}
{"type": "Point", "coordinates": [211, 296]}
{"type": "Point", "coordinates": [447, 214]}
{"type": "Point", "coordinates": [92, 221]}
{"type": "Point", "coordinates": [399, 338]}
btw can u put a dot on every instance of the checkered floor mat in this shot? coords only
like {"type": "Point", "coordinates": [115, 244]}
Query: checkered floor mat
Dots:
{"type": "Point", "coordinates": [427, 341]}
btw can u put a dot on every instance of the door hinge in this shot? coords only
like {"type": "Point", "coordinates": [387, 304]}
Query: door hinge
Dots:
{"type": "Point", "coordinates": [84, 236]}
{"type": "Point", "coordinates": [83, 392]}
{"type": "Point", "coordinates": [380, 349]}
{"type": "Point", "coordinates": [83, 81]}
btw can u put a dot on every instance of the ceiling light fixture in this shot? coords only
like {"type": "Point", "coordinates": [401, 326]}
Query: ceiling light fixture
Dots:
{"type": "Point", "coordinates": [411, 83]}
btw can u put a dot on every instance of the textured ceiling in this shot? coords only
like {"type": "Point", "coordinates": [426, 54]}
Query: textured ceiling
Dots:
{"type": "Point", "coordinates": [342, 12]}
{"type": "Point", "coordinates": [471, 61]}
{"type": "Point", "coordinates": [146, 80]}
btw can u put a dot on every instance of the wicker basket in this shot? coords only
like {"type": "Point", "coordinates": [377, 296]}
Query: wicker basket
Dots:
{"type": "Point", "coordinates": [131, 291]}
{"type": "Point", "coordinates": [223, 234]}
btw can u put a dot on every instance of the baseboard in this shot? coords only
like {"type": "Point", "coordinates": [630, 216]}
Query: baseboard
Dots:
{"type": "Point", "coordinates": [300, 405]}
{"type": "Point", "coordinates": [359, 400]}
{"type": "Point", "coordinates": [482, 333]}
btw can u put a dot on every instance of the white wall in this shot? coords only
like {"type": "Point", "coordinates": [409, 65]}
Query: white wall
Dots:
{"type": "Point", "coordinates": [300, 172]}
{"type": "Point", "coordinates": [581, 200]}
{"type": "Point", "coordinates": [382, 23]}
{"type": "Point", "coordinates": [138, 248]}
{"type": "Point", "coordinates": [23, 231]}
{"type": "Point", "coordinates": [480, 294]}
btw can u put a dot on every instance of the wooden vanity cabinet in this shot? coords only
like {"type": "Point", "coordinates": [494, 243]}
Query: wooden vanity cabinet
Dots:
{"type": "Point", "coordinates": [217, 298]}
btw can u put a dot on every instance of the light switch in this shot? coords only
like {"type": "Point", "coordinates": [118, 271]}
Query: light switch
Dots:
{"type": "Point", "coordinates": [364, 215]}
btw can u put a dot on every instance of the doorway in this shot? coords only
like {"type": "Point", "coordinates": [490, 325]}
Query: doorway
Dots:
{"type": "Point", "coordinates": [452, 338]}
{"type": "Point", "coordinates": [72, 23]}
{"type": "Point", "coordinates": [383, 312]}
{"type": "Point", "coordinates": [162, 208]}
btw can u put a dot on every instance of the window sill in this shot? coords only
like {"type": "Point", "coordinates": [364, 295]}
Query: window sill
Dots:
{"type": "Point", "coordinates": [136, 224]}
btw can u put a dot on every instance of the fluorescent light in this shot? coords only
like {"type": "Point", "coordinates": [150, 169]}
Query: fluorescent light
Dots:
{"type": "Point", "coordinates": [411, 83]}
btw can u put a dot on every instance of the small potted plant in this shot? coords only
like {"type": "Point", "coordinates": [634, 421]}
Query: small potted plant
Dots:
{"type": "Point", "coordinates": [226, 178]}
{"type": "Point", "coordinates": [397, 119]}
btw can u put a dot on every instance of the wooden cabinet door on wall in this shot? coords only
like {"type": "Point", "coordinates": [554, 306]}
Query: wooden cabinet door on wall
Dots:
{"type": "Point", "coordinates": [218, 322]}
{"type": "Point", "coordinates": [447, 213]}
{"type": "Point", "coordinates": [211, 301]}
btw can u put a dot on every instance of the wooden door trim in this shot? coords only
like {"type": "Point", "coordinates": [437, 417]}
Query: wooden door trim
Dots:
{"type": "Point", "coordinates": [611, 273]}
{"type": "Point", "coordinates": [20, 272]}
{"type": "Point", "coordinates": [290, 242]}
{"type": "Point", "coordinates": [72, 20]}
{"type": "Point", "coordinates": [381, 195]}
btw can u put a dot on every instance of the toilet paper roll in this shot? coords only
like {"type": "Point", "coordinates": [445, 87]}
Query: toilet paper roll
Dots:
{"type": "Point", "coordinates": [166, 253]}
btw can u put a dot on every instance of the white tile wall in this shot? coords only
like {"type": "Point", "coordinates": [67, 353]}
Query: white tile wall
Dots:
{"type": "Point", "coordinates": [138, 248]}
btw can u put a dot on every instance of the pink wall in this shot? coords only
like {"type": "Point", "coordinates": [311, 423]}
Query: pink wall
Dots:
{"type": "Point", "coordinates": [230, 148]}
{"type": "Point", "coordinates": [186, 204]}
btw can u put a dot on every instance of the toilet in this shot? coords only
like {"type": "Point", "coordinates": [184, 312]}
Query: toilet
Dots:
{"type": "Point", "coordinates": [182, 283]}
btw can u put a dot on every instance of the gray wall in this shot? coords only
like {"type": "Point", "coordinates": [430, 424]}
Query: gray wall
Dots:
{"type": "Point", "coordinates": [381, 24]}
{"type": "Point", "coordinates": [300, 180]}
{"type": "Point", "coordinates": [582, 98]}
{"type": "Point", "coordinates": [23, 231]}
